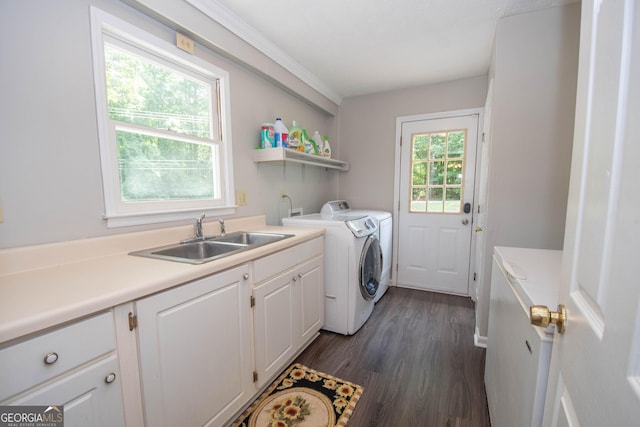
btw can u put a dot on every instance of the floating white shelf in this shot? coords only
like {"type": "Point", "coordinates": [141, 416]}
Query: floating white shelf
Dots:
{"type": "Point", "coordinates": [286, 155]}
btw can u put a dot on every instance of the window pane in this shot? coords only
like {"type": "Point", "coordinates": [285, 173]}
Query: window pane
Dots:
{"type": "Point", "coordinates": [435, 200]}
{"type": "Point", "coordinates": [420, 146]}
{"type": "Point", "coordinates": [454, 172]}
{"type": "Point", "coordinates": [146, 93]}
{"type": "Point", "coordinates": [455, 149]}
{"type": "Point", "coordinates": [153, 168]}
{"type": "Point", "coordinates": [452, 204]}
{"type": "Point", "coordinates": [418, 199]}
{"type": "Point", "coordinates": [419, 175]}
{"type": "Point", "coordinates": [438, 145]}
{"type": "Point", "coordinates": [436, 173]}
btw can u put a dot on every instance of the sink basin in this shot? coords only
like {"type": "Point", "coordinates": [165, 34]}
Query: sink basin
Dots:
{"type": "Point", "coordinates": [209, 249]}
{"type": "Point", "coordinates": [198, 250]}
{"type": "Point", "coordinates": [252, 238]}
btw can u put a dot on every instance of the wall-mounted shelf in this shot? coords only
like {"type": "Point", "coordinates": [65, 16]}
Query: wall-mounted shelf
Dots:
{"type": "Point", "coordinates": [286, 155]}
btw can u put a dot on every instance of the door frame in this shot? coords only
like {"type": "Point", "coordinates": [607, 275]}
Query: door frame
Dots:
{"type": "Point", "coordinates": [473, 293]}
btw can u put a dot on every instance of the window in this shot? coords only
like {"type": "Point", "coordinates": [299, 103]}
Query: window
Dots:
{"type": "Point", "coordinates": [437, 162]}
{"type": "Point", "coordinates": [164, 127]}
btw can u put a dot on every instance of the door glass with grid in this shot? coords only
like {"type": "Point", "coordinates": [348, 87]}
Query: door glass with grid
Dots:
{"type": "Point", "coordinates": [437, 163]}
{"type": "Point", "coordinates": [436, 181]}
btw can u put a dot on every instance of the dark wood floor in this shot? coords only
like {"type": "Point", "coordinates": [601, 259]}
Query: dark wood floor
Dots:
{"type": "Point", "coordinates": [415, 359]}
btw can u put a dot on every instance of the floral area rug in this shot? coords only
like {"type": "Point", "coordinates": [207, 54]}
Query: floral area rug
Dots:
{"type": "Point", "coordinates": [302, 397]}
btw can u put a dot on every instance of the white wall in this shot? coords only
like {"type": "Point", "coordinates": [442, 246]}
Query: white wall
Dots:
{"type": "Point", "coordinates": [534, 68]}
{"type": "Point", "coordinates": [50, 180]}
{"type": "Point", "coordinates": [368, 134]}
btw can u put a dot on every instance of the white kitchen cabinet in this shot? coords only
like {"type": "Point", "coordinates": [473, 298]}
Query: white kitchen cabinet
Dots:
{"type": "Point", "coordinates": [195, 351]}
{"type": "Point", "coordinates": [289, 306]}
{"type": "Point", "coordinates": [74, 365]}
{"type": "Point", "coordinates": [518, 354]}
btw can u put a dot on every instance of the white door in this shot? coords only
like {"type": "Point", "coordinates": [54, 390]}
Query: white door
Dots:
{"type": "Point", "coordinates": [595, 368]}
{"type": "Point", "coordinates": [437, 170]}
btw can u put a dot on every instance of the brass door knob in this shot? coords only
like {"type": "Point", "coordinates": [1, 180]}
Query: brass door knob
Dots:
{"type": "Point", "coordinates": [541, 316]}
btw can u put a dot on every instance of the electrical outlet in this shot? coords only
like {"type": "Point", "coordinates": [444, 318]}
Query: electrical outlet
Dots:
{"type": "Point", "coordinates": [185, 43]}
{"type": "Point", "coordinates": [296, 212]}
{"type": "Point", "coordinates": [241, 198]}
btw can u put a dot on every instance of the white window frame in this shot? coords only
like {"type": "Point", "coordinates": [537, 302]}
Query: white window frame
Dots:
{"type": "Point", "coordinates": [118, 214]}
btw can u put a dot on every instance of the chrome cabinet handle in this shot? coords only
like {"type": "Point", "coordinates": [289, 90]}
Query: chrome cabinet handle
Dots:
{"type": "Point", "coordinates": [246, 276]}
{"type": "Point", "coordinates": [51, 358]}
{"type": "Point", "coordinates": [110, 378]}
{"type": "Point", "coordinates": [465, 221]}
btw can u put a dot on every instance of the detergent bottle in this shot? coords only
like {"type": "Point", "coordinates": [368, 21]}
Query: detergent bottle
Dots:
{"type": "Point", "coordinates": [295, 137]}
{"type": "Point", "coordinates": [326, 148]}
{"type": "Point", "coordinates": [280, 133]}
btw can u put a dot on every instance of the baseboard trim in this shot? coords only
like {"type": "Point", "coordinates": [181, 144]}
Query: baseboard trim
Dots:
{"type": "Point", "coordinates": [479, 340]}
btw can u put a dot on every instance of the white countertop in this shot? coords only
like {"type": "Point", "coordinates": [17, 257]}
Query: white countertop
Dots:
{"type": "Point", "coordinates": [47, 285]}
{"type": "Point", "coordinates": [534, 274]}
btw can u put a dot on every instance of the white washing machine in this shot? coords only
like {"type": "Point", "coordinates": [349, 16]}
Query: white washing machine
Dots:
{"type": "Point", "coordinates": [384, 222]}
{"type": "Point", "coordinates": [352, 267]}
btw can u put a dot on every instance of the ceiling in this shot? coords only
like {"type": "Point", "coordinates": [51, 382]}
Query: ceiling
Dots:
{"type": "Point", "coordinates": [357, 47]}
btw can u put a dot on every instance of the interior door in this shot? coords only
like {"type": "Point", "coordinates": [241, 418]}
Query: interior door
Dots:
{"type": "Point", "coordinates": [437, 170]}
{"type": "Point", "coordinates": [595, 368]}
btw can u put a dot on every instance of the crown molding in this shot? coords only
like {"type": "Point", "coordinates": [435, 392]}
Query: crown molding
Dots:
{"type": "Point", "coordinates": [225, 17]}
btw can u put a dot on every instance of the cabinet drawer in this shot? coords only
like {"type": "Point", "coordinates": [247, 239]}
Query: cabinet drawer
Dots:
{"type": "Point", "coordinates": [271, 265]}
{"type": "Point", "coordinates": [24, 364]}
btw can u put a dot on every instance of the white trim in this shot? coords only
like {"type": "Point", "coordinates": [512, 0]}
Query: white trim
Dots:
{"type": "Point", "coordinates": [479, 340]}
{"type": "Point", "coordinates": [127, 220]}
{"type": "Point", "coordinates": [104, 25]}
{"type": "Point", "coordinates": [225, 17]}
{"type": "Point", "coordinates": [396, 174]}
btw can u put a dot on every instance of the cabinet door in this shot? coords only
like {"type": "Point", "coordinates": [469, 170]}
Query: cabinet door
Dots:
{"type": "Point", "coordinates": [273, 320]}
{"type": "Point", "coordinates": [311, 307]}
{"type": "Point", "coordinates": [91, 396]}
{"type": "Point", "coordinates": [195, 351]}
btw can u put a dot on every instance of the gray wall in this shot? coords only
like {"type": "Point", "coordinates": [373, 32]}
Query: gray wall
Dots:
{"type": "Point", "coordinates": [50, 180]}
{"type": "Point", "coordinates": [535, 64]}
{"type": "Point", "coordinates": [368, 134]}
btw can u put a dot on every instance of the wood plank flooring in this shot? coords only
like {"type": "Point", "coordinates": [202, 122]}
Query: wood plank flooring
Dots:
{"type": "Point", "coordinates": [415, 359]}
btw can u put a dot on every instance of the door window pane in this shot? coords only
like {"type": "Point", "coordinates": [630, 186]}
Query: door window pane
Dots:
{"type": "Point", "coordinates": [419, 176]}
{"type": "Point", "coordinates": [437, 164]}
{"type": "Point", "coordinates": [454, 172]}
{"type": "Point", "coordinates": [456, 144]}
{"type": "Point", "coordinates": [419, 199]}
{"type": "Point", "coordinates": [436, 173]}
{"type": "Point", "coordinates": [438, 146]}
{"type": "Point", "coordinates": [435, 200]}
{"type": "Point", "coordinates": [453, 202]}
{"type": "Point", "coordinates": [420, 147]}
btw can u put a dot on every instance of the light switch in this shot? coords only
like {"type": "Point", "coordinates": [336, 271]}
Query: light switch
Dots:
{"type": "Point", "coordinates": [241, 198]}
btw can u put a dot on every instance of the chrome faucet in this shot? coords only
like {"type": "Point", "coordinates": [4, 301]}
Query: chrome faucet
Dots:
{"type": "Point", "coordinates": [223, 232]}
{"type": "Point", "coordinates": [198, 228]}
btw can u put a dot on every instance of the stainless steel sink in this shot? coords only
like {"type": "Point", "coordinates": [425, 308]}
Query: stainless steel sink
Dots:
{"type": "Point", "coordinates": [212, 248]}
{"type": "Point", "coordinates": [252, 238]}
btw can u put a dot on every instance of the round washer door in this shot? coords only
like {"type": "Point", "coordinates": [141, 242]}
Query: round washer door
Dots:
{"type": "Point", "coordinates": [370, 268]}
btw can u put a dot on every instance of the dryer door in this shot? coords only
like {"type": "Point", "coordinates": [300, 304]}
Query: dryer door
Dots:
{"type": "Point", "coordinates": [370, 267]}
